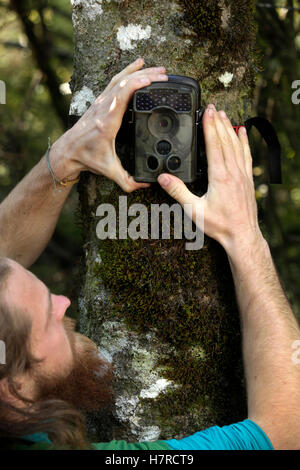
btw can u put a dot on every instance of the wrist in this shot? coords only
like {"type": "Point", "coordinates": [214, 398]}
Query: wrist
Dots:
{"type": "Point", "coordinates": [243, 250]}
{"type": "Point", "coordinates": [63, 159]}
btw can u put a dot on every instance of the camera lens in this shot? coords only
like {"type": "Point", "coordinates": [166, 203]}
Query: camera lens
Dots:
{"type": "Point", "coordinates": [164, 123]}
{"type": "Point", "coordinates": [173, 163]}
{"type": "Point", "coordinates": [152, 162]}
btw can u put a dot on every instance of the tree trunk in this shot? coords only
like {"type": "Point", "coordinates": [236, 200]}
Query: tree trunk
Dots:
{"type": "Point", "coordinates": [166, 317]}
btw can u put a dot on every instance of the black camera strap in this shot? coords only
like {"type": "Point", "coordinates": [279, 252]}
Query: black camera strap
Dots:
{"type": "Point", "coordinates": [269, 135]}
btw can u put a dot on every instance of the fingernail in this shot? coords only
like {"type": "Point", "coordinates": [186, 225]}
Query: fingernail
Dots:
{"type": "Point", "coordinates": [164, 180]}
{"type": "Point", "coordinates": [162, 77]}
{"type": "Point", "coordinates": [160, 69]}
{"type": "Point", "coordinates": [140, 59]}
{"type": "Point", "coordinates": [210, 112]}
{"type": "Point", "coordinates": [211, 106]}
{"type": "Point", "coordinates": [223, 114]}
{"type": "Point", "coordinates": [243, 130]}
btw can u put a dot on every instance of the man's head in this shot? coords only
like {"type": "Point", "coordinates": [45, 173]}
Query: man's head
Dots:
{"type": "Point", "coordinates": [49, 367]}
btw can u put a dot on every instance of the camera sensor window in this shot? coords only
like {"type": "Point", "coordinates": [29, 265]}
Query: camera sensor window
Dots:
{"type": "Point", "coordinates": [163, 147]}
{"type": "Point", "coordinates": [180, 102]}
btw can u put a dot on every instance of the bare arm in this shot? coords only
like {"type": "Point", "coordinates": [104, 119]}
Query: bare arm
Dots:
{"type": "Point", "coordinates": [269, 331]}
{"type": "Point", "coordinates": [29, 214]}
{"type": "Point", "coordinates": [269, 327]}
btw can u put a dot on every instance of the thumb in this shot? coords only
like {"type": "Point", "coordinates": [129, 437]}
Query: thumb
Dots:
{"type": "Point", "coordinates": [176, 188]}
{"type": "Point", "coordinates": [193, 205]}
{"type": "Point", "coordinates": [125, 180]}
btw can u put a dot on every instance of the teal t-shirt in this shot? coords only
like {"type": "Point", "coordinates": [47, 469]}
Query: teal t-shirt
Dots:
{"type": "Point", "coordinates": [245, 435]}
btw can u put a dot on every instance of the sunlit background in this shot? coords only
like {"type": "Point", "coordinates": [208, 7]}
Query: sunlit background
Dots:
{"type": "Point", "coordinates": [36, 60]}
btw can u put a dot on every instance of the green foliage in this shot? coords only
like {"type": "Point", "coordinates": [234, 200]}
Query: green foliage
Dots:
{"type": "Point", "coordinates": [279, 39]}
{"type": "Point", "coordinates": [29, 117]}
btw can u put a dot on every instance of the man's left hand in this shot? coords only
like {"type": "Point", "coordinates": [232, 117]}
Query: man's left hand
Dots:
{"type": "Point", "coordinates": [93, 136]}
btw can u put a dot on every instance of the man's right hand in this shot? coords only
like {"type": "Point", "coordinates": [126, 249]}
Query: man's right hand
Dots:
{"type": "Point", "coordinates": [230, 210]}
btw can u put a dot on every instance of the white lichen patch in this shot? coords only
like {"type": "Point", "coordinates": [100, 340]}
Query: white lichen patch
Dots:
{"type": "Point", "coordinates": [149, 433]}
{"type": "Point", "coordinates": [128, 410]}
{"type": "Point", "coordinates": [127, 34]}
{"type": "Point", "coordinates": [91, 8]}
{"type": "Point", "coordinates": [81, 101]}
{"type": "Point", "coordinates": [98, 259]}
{"type": "Point", "coordinates": [134, 358]}
{"type": "Point", "coordinates": [226, 78]}
{"type": "Point", "coordinates": [162, 39]}
{"type": "Point", "coordinates": [126, 407]}
{"type": "Point", "coordinates": [114, 340]}
{"type": "Point", "coordinates": [155, 389]}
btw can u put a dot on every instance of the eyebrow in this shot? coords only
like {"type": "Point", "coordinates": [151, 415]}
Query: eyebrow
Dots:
{"type": "Point", "coordinates": [49, 310]}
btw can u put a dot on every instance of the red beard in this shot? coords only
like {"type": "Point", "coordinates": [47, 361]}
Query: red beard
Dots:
{"type": "Point", "coordinates": [88, 387]}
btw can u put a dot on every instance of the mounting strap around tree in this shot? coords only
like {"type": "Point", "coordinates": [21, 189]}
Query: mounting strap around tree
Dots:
{"type": "Point", "coordinates": [269, 135]}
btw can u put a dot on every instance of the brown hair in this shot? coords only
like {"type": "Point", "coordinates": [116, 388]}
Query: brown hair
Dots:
{"type": "Point", "coordinates": [62, 422]}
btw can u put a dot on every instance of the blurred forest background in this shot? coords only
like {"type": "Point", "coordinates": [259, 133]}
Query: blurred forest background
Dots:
{"type": "Point", "coordinates": [36, 61]}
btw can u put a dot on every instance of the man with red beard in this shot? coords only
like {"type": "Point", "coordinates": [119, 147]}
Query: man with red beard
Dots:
{"type": "Point", "coordinates": [51, 372]}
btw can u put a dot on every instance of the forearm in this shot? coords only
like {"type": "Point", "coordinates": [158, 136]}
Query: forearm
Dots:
{"type": "Point", "coordinates": [29, 214]}
{"type": "Point", "coordinates": [269, 330]}
{"type": "Point", "coordinates": [269, 326]}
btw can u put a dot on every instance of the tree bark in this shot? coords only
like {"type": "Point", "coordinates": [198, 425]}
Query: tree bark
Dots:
{"type": "Point", "coordinates": [166, 317]}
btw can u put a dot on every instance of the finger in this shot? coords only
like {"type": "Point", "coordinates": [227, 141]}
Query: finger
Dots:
{"type": "Point", "coordinates": [176, 188]}
{"type": "Point", "coordinates": [226, 144]}
{"type": "Point", "coordinates": [215, 159]}
{"type": "Point", "coordinates": [192, 204]}
{"type": "Point", "coordinates": [155, 76]}
{"type": "Point", "coordinates": [124, 179]}
{"type": "Point", "coordinates": [133, 185]}
{"type": "Point", "coordinates": [151, 72]}
{"type": "Point", "coordinates": [131, 68]}
{"type": "Point", "coordinates": [129, 86]}
{"type": "Point", "coordinates": [239, 155]}
{"type": "Point", "coordinates": [148, 71]}
{"type": "Point", "coordinates": [243, 138]}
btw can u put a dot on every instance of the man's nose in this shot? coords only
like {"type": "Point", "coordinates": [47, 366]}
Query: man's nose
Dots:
{"type": "Point", "coordinates": [61, 304]}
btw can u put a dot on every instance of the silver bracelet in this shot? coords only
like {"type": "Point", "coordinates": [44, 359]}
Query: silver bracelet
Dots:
{"type": "Point", "coordinates": [55, 181]}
